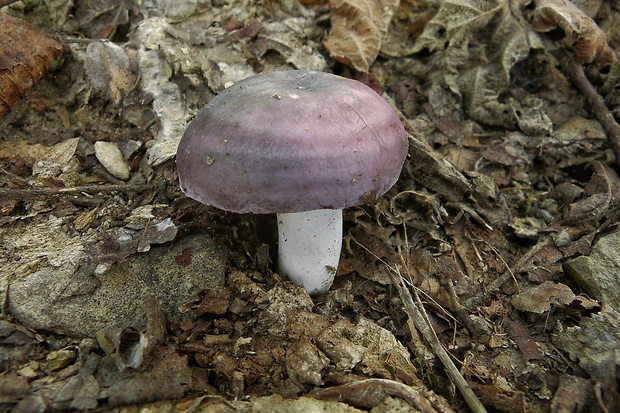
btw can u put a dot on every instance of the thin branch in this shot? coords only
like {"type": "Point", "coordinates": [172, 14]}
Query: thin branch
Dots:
{"type": "Point", "coordinates": [41, 192]}
{"type": "Point", "coordinates": [576, 74]}
{"type": "Point", "coordinates": [422, 324]}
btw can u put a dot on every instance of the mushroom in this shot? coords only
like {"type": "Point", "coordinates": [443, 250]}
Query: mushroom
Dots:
{"type": "Point", "coordinates": [303, 145]}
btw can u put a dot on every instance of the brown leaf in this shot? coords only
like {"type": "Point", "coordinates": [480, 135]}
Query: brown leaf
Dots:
{"type": "Point", "coordinates": [13, 387]}
{"type": "Point", "coordinates": [572, 394]}
{"type": "Point", "coordinates": [502, 399]}
{"type": "Point", "coordinates": [101, 18]}
{"type": "Point", "coordinates": [372, 392]}
{"type": "Point", "coordinates": [213, 301]}
{"type": "Point", "coordinates": [540, 298]}
{"type": "Point", "coordinates": [305, 363]}
{"type": "Point", "coordinates": [582, 34]}
{"type": "Point", "coordinates": [25, 56]}
{"type": "Point", "coordinates": [168, 378]}
{"type": "Point", "coordinates": [520, 334]}
{"type": "Point", "coordinates": [289, 39]}
{"type": "Point", "coordinates": [358, 29]}
{"type": "Point", "coordinates": [185, 258]}
{"type": "Point", "coordinates": [109, 70]}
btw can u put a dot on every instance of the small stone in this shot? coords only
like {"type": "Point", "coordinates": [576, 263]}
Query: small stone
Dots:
{"type": "Point", "coordinates": [597, 273]}
{"type": "Point", "coordinates": [112, 160]}
{"type": "Point", "coordinates": [60, 359]}
{"type": "Point", "coordinates": [28, 372]}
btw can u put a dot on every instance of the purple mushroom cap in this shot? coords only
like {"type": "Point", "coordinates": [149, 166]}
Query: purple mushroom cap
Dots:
{"type": "Point", "coordinates": [292, 141]}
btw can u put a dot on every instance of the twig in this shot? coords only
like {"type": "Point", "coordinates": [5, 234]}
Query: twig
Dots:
{"type": "Point", "coordinates": [422, 324]}
{"type": "Point", "coordinates": [498, 255]}
{"type": "Point", "coordinates": [38, 192]}
{"type": "Point", "coordinates": [599, 398]}
{"type": "Point", "coordinates": [576, 74]}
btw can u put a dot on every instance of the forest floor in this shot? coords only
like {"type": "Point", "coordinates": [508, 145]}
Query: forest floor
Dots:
{"type": "Point", "coordinates": [485, 279]}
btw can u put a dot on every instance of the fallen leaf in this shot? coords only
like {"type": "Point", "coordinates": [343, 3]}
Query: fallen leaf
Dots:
{"type": "Point", "coordinates": [185, 258]}
{"type": "Point", "coordinates": [13, 387]}
{"type": "Point", "coordinates": [501, 399]}
{"type": "Point", "coordinates": [305, 363]}
{"type": "Point", "coordinates": [372, 392]}
{"type": "Point", "coordinates": [520, 334]}
{"type": "Point", "coordinates": [540, 298]}
{"type": "Point", "coordinates": [25, 55]}
{"type": "Point", "coordinates": [167, 378]}
{"type": "Point", "coordinates": [212, 301]}
{"type": "Point", "coordinates": [109, 70]}
{"type": "Point", "coordinates": [477, 44]}
{"type": "Point", "coordinates": [100, 18]}
{"type": "Point", "coordinates": [289, 39]}
{"type": "Point", "coordinates": [594, 344]}
{"type": "Point", "coordinates": [358, 29]}
{"type": "Point", "coordinates": [572, 394]}
{"type": "Point", "coordinates": [583, 36]}
{"type": "Point", "coordinates": [510, 151]}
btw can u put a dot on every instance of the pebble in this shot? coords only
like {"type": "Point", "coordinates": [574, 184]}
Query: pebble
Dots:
{"type": "Point", "coordinates": [112, 159]}
{"type": "Point", "coordinates": [60, 359]}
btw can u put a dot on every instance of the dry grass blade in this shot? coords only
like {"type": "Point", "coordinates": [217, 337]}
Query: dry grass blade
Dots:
{"type": "Point", "coordinates": [421, 323]}
{"type": "Point", "coordinates": [416, 313]}
{"type": "Point", "coordinates": [505, 276]}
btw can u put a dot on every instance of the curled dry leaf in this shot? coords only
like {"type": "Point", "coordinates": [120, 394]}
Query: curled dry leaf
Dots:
{"type": "Point", "coordinates": [101, 18]}
{"type": "Point", "coordinates": [476, 45]}
{"type": "Point", "coordinates": [358, 29]}
{"type": "Point", "coordinates": [582, 34]}
{"type": "Point", "coordinates": [287, 38]}
{"type": "Point", "coordinates": [25, 56]}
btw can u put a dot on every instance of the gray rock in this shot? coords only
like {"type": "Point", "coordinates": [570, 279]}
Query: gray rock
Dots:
{"type": "Point", "coordinates": [78, 303]}
{"type": "Point", "coordinates": [598, 273]}
{"type": "Point", "coordinates": [112, 160]}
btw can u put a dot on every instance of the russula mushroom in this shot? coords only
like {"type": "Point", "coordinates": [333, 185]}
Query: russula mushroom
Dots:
{"type": "Point", "coordinates": [303, 145]}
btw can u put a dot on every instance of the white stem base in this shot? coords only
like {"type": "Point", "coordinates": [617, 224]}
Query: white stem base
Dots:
{"type": "Point", "coordinates": [309, 247]}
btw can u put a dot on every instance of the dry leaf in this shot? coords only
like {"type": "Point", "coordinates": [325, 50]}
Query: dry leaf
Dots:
{"type": "Point", "coordinates": [594, 344]}
{"type": "Point", "coordinates": [109, 70]}
{"type": "Point", "coordinates": [288, 38]}
{"type": "Point", "coordinates": [477, 43]}
{"type": "Point", "coordinates": [582, 34]}
{"type": "Point", "coordinates": [56, 157]}
{"type": "Point", "coordinates": [168, 377]}
{"type": "Point", "coordinates": [455, 23]}
{"type": "Point", "coordinates": [572, 394]}
{"type": "Point", "coordinates": [358, 29]}
{"type": "Point", "coordinates": [509, 42]}
{"type": "Point", "coordinates": [372, 392]}
{"type": "Point", "coordinates": [540, 298]}
{"type": "Point", "coordinates": [101, 18]}
{"type": "Point", "coordinates": [25, 55]}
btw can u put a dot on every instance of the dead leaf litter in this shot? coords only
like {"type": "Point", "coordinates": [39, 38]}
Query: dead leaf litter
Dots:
{"type": "Point", "coordinates": [485, 280]}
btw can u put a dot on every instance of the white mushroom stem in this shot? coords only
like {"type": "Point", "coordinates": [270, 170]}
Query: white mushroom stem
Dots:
{"type": "Point", "coordinates": [309, 247]}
